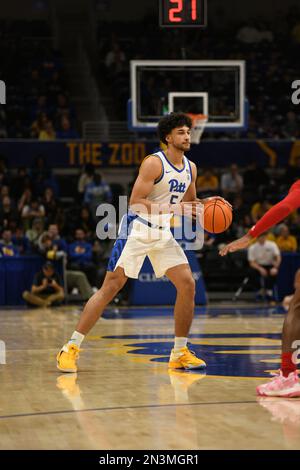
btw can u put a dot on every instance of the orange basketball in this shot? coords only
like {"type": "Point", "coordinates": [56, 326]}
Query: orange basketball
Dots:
{"type": "Point", "coordinates": [217, 216]}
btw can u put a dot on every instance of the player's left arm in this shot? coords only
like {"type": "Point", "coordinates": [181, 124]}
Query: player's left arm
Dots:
{"type": "Point", "coordinates": [191, 193]}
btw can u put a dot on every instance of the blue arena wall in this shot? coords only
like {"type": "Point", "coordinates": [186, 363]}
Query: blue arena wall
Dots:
{"type": "Point", "coordinates": [75, 153]}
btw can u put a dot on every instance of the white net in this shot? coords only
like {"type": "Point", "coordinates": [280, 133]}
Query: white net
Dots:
{"type": "Point", "coordinates": [199, 121]}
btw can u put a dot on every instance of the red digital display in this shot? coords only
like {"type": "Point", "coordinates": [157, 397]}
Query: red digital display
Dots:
{"type": "Point", "coordinates": [183, 13]}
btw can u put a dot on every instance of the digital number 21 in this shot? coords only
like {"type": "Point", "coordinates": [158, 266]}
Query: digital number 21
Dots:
{"type": "Point", "coordinates": [179, 8]}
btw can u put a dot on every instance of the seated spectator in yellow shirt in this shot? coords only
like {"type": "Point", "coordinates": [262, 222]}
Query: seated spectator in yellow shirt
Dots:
{"type": "Point", "coordinates": [207, 182]}
{"type": "Point", "coordinates": [259, 209]}
{"type": "Point", "coordinates": [285, 241]}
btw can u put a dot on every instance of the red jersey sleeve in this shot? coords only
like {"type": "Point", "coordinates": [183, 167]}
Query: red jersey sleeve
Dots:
{"type": "Point", "coordinates": [278, 212]}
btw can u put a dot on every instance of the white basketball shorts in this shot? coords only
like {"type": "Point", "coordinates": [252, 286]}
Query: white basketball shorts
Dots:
{"type": "Point", "coordinates": [137, 240]}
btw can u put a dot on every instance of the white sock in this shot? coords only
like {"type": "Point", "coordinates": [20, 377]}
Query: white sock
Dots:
{"type": "Point", "coordinates": [76, 338]}
{"type": "Point", "coordinates": [179, 343]}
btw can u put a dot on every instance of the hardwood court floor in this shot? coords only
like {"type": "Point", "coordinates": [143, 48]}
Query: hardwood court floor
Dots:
{"type": "Point", "coordinates": [124, 397]}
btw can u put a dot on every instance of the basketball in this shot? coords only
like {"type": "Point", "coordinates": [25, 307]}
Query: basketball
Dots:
{"type": "Point", "coordinates": [217, 216]}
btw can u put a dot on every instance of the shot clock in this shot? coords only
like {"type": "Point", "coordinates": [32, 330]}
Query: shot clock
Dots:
{"type": "Point", "coordinates": [182, 13]}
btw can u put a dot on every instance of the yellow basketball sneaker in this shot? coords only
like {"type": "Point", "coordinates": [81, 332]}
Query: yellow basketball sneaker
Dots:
{"type": "Point", "coordinates": [67, 357]}
{"type": "Point", "coordinates": [185, 359]}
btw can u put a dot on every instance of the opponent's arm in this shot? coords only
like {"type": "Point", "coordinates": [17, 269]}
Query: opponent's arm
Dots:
{"type": "Point", "coordinates": [272, 217]}
{"type": "Point", "coordinates": [277, 213]}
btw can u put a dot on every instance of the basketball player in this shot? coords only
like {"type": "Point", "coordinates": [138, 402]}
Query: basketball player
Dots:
{"type": "Point", "coordinates": [286, 383]}
{"type": "Point", "coordinates": [165, 186]}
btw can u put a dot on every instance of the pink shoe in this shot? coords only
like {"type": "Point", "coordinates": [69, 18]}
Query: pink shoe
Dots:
{"type": "Point", "coordinates": [280, 386]}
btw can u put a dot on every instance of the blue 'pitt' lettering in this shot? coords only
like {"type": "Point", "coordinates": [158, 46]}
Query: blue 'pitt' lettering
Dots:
{"type": "Point", "coordinates": [176, 187]}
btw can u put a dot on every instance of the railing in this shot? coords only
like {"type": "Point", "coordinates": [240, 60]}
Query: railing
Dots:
{"type": "Point", "coordinates": [116, 131]}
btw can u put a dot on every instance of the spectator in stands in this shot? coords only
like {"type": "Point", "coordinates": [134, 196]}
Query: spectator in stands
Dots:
{"type": "Point", "coordinates": [20, 241]}
{"type": "Point", "coordinates": [31, 211]}
{"type": "Point", "coordinates": [50, 204]}
{"type": "Point", "coordinates": [285, 241]}
{"type": "Point", "coordinates": [96, 193]}
{"type": "Point", "coordinates": [42, 177]}
{"type": "Point", "coordinates": [207, 183]}
{"type": "Point", "coordinates": [25, 199]}
{"type": "Point", "coordinates": [7, 248]}
{"type": "Point", "coordinates": [264, 258]}
{"type": "Point", "coordinates": [115, 60]}
{"type": "Point", "coordinates": [48, 133]}
{"type": "Point", "coordinates": [33, 234]}
{"type": "Point", "coordinates": [87, 223]}
{"type": "Point", "coordinates": [81, 257]}
{"type": "Point", "coordinates": [55, 86]}
{"type": "Point", "coordinates": [78, 283]}
{"type": "Point", "coordinates": [4, 191]}
{"type": "Point", "coordinates": [38, 125]}
{"type": "Point", "coordinates": [39, 108]}
{"type": "Point", "coordinates": [231, 182]}
{"type": "Point", "coordinates": [21, 182]}
{"type": "Point", "coordinates": [85, 178]}
{"type": "Point", "coordinates": [47, 288]}
{"type": "Point", "coordinates": [48, 249]}
{"type": "Point", "coordinates": [259, 209]}
{"type": "Point", "coordinates": [60, 243]}
{"type": "Point", "coordinates": [7, 212]}
{"type": "Point", "coordinates": [66, 131]}
{"type": "Point", "coordinates": [63, 109]}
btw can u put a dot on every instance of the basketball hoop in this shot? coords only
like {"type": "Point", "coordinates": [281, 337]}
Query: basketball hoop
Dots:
{"type": "Point", "coordinates": [199, 121]}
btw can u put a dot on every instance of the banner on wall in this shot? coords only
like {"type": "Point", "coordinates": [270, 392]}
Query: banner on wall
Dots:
{"type": "Point", "coordinates": [150, 290]}
{"type": "Point", "coordinates": [76, 153]}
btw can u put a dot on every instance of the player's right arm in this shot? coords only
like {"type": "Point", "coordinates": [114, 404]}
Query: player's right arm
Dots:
{"type": "Point", "coordinates": [272, 217]}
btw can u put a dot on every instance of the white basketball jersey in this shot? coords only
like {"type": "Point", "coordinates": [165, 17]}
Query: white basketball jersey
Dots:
{"type": "Point", "coordinates": [169, 188]}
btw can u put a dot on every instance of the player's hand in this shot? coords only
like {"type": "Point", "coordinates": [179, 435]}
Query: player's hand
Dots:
{"type": "Point", "coordinates": [274, 271]}
{"type": "Point", "coordinates": [192, 209]}
{"type": "Point", "coordinates": [239, 244]}
{"type": "Point", "coordinates": [217, 198]}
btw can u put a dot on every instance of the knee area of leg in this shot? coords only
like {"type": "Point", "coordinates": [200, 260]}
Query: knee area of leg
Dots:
{"type": "Point", "coordinates": [116, 284]}
{"type": "Point", "coordinates": [189, 286]}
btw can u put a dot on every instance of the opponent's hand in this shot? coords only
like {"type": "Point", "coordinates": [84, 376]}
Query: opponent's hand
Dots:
{"type": "Point", "coordinates": [239, 244]}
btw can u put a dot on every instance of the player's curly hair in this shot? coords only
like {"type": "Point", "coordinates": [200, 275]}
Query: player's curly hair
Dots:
{"type": "Point", "coordinates": [170, 122]}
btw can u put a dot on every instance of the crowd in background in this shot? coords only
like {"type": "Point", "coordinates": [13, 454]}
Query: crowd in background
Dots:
{"type": "Point", "coordinates": [269, 49]}
{"type": "Point", "coordinates": [252, 192]}
{"type": "Point", "coordinates": [35, 220]}
{"type": "Point", "coordinates": [38, 105]}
